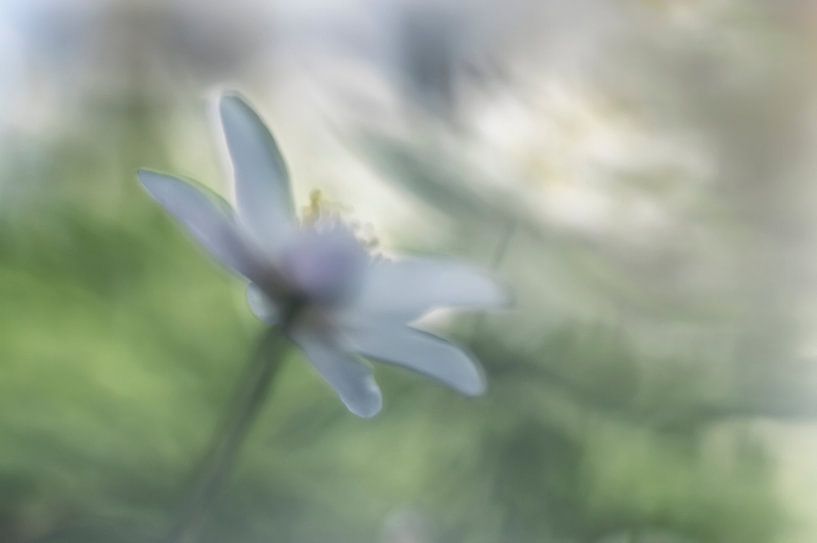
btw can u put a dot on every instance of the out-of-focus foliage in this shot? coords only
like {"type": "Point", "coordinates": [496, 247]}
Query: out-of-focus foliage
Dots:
{"type": "Point", "coordinates": [637, 172]}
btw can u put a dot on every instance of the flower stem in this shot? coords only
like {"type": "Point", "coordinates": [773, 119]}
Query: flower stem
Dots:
{"type": "Point", "coordinates": [497, 258]}
{"type": "Point", "coordinates": [215, 466]}
{"type": "Point", "coordinates": [504, 243]}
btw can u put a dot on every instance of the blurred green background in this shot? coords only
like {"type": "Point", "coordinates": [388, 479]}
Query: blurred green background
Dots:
{"type": "Point", "coordinates": [639, 173]}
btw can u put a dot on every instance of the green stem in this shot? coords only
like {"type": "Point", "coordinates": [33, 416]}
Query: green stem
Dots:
{"type": "Point", "coordinates": [220, 457]}
{"type": "Point", "coordinates": [497, 258]}
{"type": "Point", "coordinates": [504, 243]}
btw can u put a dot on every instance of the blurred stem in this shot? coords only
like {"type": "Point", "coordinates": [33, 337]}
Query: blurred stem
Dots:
{"type": "Point", "coordinates": [497, 257]}
{"type": "Point", "coordinates": [501, 249]}
{"type": "Point", "coordinates": [215, 466]}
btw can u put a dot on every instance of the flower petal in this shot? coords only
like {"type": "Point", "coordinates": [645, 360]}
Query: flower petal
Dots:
{"type": "Point", "coordinates": [421, 352]}
{"type": "Point", "coordinates": [260, 304]}
{"type": "Point", "coordinates": [207, 217]}
{"type": "Point", "coordinates": [351, 378]}
{"type": "Point", "coordinates": [406, 289]}
{"type": "Point", "coordinates": [263, 195]}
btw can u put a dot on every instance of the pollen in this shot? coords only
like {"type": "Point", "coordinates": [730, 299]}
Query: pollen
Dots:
{"type": "Point", "coordinates": [312, 212]}
{"type": "Point", "coordinates": [321, 212]}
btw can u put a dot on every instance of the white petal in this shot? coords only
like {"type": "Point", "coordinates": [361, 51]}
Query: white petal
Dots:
{"type": "Point", "coordinates": [351, 378]}
{"type": "Point", "coordinates": [261, 306]}
{"type": "Point", "coordinates": [407, 289]}
{"type": "Point", "coordinates": [207, 217]}
{"type": "Point", "coordinates": [420, 352]}
{"type": "Point", "coordinates": [263, 194]}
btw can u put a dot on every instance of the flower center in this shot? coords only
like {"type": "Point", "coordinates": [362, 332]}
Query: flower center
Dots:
{"type": "Point", "coordinates": [327, 258]}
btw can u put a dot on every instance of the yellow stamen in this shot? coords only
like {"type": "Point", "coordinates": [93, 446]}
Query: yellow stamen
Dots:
{"type": "Point", "coordinates": [319, 207]}
{"type": "Point", "coordinates": [312, 212]}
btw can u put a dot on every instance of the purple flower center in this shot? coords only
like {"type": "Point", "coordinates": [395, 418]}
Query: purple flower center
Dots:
{"type": "Point", "coordinates": [324, 266]}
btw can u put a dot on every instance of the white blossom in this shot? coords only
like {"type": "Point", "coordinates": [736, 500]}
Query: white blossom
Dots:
{"type": "Point", "coordinates": [316, 281]}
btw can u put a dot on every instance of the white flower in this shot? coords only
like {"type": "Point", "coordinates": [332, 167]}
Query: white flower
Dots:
{"type": "Point", "coordinates": [316, 280]}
